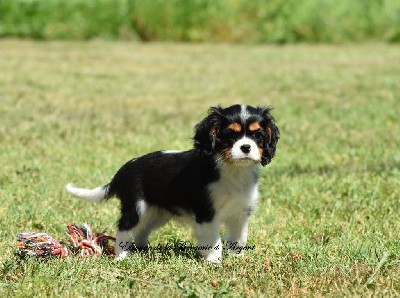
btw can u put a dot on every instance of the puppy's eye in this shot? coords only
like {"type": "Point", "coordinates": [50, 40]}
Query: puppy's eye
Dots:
{"type": "Point", "coordinates": [230, 134]}
{"type": "Point", "coordinates": [258, 135]}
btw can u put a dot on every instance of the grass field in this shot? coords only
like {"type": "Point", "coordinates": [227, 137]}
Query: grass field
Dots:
{"type": "Point", "coordinates": [328, 221]}
{"type": "Point", "coordinates": [277, 21]}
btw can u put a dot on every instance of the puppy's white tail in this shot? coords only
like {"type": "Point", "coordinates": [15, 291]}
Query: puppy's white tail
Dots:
{"type": "Point", "coordinates": [93, 195]}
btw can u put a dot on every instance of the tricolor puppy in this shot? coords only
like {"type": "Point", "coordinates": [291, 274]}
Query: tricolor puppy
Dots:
{"type": "Point", "coordinates": [215, 183]}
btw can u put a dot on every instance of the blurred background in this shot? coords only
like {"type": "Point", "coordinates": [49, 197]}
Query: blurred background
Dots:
{"type": "Point", "coordinates": [85, 85]}
{"type": "Point", "coordinates": [272, 21]}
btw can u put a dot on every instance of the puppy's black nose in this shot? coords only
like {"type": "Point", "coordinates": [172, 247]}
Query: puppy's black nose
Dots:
{"type": "Point", "coordinates": [245, 148]}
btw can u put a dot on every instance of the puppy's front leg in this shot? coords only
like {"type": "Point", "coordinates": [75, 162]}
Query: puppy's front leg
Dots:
{"type": "Point", "coordinates": [237, 234]}
{"type": "Point", "coordinates": [209, 241]}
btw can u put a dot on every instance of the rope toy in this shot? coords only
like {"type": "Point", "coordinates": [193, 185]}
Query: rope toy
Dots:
{"type": "Point", "coordinates": [40, 244]}
{"type": "Point", "coordinates": [84, 243]}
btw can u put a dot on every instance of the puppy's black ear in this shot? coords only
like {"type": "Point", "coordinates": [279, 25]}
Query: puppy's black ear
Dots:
{"type": "Point", "coordinates": [271, 136]}
{"type": "Point", "coordinates": [205, 135]}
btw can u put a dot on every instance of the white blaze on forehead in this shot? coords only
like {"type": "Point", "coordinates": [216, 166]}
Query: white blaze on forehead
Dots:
{"type": "Point", "coordinates": [237, 152]}
{"type": "Point", "coordinates": [244, 114]}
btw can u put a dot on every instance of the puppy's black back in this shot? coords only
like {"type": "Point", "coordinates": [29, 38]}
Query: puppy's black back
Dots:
{"type": "Point", "coordinates": [173, 181]}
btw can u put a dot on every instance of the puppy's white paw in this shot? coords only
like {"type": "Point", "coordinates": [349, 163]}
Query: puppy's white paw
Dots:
{"type": "Point", "coordinates": [235, 253]}
{"type": "Point", "coordinates": [122, 255]}
{"type": "Point", "coordinates": [213, 259]}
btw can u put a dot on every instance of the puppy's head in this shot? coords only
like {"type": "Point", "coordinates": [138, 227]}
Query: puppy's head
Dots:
{"type": "Point", "coordinates": [239, 134]}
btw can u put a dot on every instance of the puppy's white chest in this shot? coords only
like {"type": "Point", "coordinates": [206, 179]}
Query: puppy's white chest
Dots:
{"type": "Point", "coordinates": [236, 191]}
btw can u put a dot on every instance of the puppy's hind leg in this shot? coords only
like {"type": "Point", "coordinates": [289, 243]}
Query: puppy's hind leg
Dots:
{"type": "Point", "coordinates": [123, 244]}
{"type": "Point", "coordinates": [127, 227]}
{"type": "Point", "coordinates": [151, 219]}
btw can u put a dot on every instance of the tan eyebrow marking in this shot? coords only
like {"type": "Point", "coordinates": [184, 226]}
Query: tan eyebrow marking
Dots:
{"type": "Point", "coordinates": [254, 126]}
{"type": "Point", "coordinates": [235, 127]}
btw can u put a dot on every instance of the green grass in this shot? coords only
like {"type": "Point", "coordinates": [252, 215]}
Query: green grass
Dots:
{"type": "Point", "coordinates": [328, 218]}
{"type": "Point", "coordinates": [273, 21]}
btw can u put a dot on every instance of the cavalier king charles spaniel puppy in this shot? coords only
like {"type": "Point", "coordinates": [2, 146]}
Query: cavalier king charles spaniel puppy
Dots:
{"type": "Point", "coordinates": [212, 184]}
